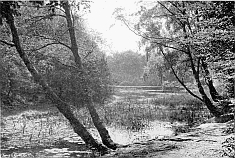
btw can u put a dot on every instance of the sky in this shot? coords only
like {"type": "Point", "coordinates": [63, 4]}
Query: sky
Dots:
{"type": "Point", "coordinates": [117, 36]}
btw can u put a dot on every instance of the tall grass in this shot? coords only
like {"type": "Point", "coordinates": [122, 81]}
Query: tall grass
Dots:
{"type": "Point", "coordinates": [136, 114]}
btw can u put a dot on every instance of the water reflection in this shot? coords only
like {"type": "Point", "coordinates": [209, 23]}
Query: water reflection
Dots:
{"type": "Point", "coordinates": [154, 130]}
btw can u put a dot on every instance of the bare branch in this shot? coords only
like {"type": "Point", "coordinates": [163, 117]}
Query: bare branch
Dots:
{"type": "Point", "coordinates": [44, 17]}
{"type": "Point", "coordinates": [7, 43]}
{"type": "Point", "coordinates": [57, 41]}
{"type": "Point", "coordinates": [49, 44]}
{"type": "Point", "coordinates": [64, 44]}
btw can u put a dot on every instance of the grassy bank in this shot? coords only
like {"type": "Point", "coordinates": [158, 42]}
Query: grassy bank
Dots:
{"type": "Point", "coordinates": [133, 112]}
{"type": "Point", "coordinates": [43, 127]}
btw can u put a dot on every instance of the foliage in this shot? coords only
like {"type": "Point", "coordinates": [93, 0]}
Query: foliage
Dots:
{"type": "Point", "coordinates": [126, 67]}
{"type": "Point", "coordinates": [62, 106]}
{"type": "Point", "coordinates": [218, 43]}
{"type": "Point", "coordinates": [201, 37]}
{"type": "Point", "coordinates": [229, 147]}
{"type": "Point", "coordinates": [67, 82]}
{"type": "Point", "coordinates": [18, 87]}
{"type": "Point", "coordinates": [45, 37]}
{"type": "Point", "coordinates": [206, 31]}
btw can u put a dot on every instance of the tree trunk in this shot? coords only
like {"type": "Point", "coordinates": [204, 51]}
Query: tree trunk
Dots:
{"type": "Point", "coordinates": [213, 92]}
{"type": "Point", "coordinates": [106, 139]}
{"type": "Point", "coordinates": [213, 109]}
{"type": "Point", "coordinates": [177, 77]}
{"type": "Point", "coordinates": [63, 107]}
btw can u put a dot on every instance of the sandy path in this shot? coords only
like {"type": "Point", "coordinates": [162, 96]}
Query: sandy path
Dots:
{"type": "Point", "coordinates": [205, 141]}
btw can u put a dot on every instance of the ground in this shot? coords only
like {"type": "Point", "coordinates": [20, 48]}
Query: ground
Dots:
{"type": "Point", "coordinates": [204, 141]}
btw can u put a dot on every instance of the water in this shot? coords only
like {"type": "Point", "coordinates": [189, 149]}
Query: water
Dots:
{"type": "Point", "coordinates": [35, 134]}
{"type": "Point", "coordinates": [156, 129]}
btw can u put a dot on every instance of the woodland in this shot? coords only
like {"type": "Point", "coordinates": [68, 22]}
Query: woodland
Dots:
{"type": "Point", "coordinates": [48, 56]}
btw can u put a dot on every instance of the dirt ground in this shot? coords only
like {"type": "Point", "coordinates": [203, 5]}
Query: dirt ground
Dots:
{"type": "Point", "coordinates": [204, 141]}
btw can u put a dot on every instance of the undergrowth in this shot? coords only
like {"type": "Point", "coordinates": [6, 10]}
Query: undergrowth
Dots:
{"type": "Point", "coordinates": [229, 147]}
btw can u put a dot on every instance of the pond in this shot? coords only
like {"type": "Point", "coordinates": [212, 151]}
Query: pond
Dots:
{"type": "Point", "coordinates": [130, 117]}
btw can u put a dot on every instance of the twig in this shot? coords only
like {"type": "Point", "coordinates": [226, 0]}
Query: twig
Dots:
{"type": "Point", "coordinates": [7, 43]}
{"type": "Point", "coordinates": [49, 45]}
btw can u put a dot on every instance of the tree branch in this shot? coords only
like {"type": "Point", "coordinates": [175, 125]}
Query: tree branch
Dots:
{"type": "Point", "coordinates": [57, 41]}
{"type": "Point", "coordinates": [43, 17]}
{"type": "Point", "coordinates": [149, 38]}
{"type": "Point", "coordinates": [175, 6]}
{"type": "Point", "coordinates": [89, 52]}
{"type": "Point", "coordinates": [7, 43]}
{"type": "Point", "coordinates": [178, 21]}
{"type": "Point", "coordinates": [181, 82]}
{"type": "Point", "coordinates": [49, 44]}
{"type": "Point", "coordinates": [53, 39]}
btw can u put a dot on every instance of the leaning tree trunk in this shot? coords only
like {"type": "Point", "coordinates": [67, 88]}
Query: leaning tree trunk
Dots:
{"type": "Point", "coordinates": [106, 139]}
{"type": "Point", "coordinates": [213, 109]}
{"type": "Point", "coordinates": [63, 107]}
{"type": "Point", "coordinates": [213, 92]}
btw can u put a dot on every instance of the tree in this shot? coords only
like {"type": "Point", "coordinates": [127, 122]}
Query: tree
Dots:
{"type": "Point", "coordinates": [9, 10]}
{"type": "Point", "coordinates": [126, 67]}
{"type": "Point", "coordinates": [186, 28]}
{"type": "Point", "coordinates": [221, 17]}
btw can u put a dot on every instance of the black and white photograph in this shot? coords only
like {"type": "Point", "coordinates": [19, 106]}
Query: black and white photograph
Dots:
{"type": "Point", "coordinates": [117, 79]}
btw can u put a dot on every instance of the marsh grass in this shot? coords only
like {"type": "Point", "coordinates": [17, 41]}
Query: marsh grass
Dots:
{"type": "Point", "coordinates": [131, 113]}
{"type": "Point", "coordinates": [47, 129]}
{"type": "Point", "coordinates": [32, 131]}
{"type": "Point", "coordinates": [136, 113]}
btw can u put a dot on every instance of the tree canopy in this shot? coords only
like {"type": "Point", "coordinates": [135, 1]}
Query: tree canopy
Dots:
{"type": "Point", "coordinates": [194, 38]}
{"type": "Point", "coordinates": [53, 53]}
{"type": "Point", "coordinates": [126, 68]}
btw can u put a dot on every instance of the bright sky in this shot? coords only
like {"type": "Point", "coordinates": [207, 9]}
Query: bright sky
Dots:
{"type": "Point", "coordinates": [117, 35]}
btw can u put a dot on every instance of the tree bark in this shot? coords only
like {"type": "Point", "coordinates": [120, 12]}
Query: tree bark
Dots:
{"type": "Point", "coordinates": [104, 134]}
{"type": "Point", "coordinates": [213, 92]}
{"type": "Point", "coordinates": [213, 109]}
{"type": "Point", "coordinates": [63, 107]}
